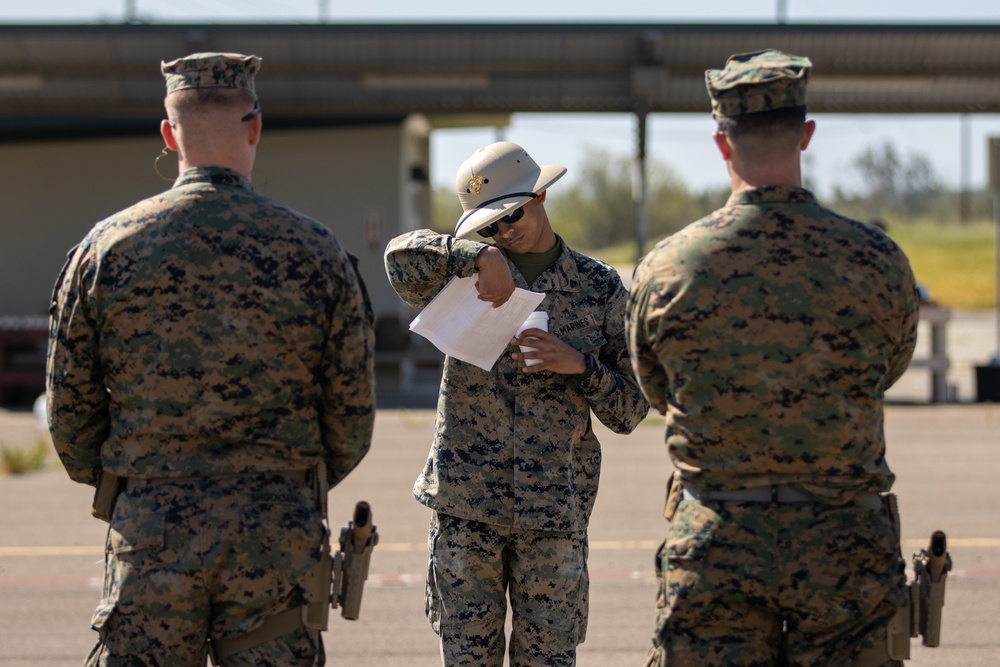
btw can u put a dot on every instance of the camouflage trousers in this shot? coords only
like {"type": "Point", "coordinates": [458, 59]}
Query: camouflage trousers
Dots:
{"type": "Point", "coordinates": [187, 561]}
{"type": "Point", "coordinates": [765, 585]}
{"type": "Point", "coordinates": [474, 567]}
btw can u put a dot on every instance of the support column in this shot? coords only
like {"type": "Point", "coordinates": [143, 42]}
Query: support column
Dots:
{"type": "Point", "coordinates": [639, 184]}
{"type": "Point", "coordinates": [965, 188]}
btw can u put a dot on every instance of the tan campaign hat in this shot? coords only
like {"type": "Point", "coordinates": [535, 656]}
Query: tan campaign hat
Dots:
{"type": "Point", "coordinates": [496, 180]}
{"type": "Point", "coordinates": [211, 70]}
{"type": "Point", "coordinates": [758, 81]}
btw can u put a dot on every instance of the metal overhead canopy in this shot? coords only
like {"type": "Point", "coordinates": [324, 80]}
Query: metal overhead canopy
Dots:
{"type": "Point", "coordinates": [67, 80]}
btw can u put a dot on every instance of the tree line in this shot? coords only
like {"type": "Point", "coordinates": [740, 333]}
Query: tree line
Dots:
{"type": "Point", "coordinates": [596, 210]}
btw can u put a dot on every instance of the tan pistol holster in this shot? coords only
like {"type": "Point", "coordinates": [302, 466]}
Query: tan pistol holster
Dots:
{"type": "Point", "coordinates": [926, 599]}
{"type": "Point", "coordinates": [109, 487]}
{"type": "Point", "coordinates": [675, 492]}
{"type": "Point", "coordinates": [336, 579]}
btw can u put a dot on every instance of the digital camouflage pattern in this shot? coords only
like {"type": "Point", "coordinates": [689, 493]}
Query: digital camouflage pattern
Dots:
{"type": "Point", "coordinates": [514, 466]}
{"type": "Point", "coordinates": [209, 330]}
{"type": "Point", "coordinates": [209, 333]}
{"type": "Point", "coordinates": [204, 344]}
{"type": "Point", "coordinates": [739, 580]}
{"type": "Point", "coordinates": [758, 81]}
{"type": "Point", "coordinates": [188, 560]}
{"type": "Point", "coordinates": [466, 596]}
{"type": "Point", "coordinates": [211, 70]}
{"type": "Point", "coordinates": [512, 448]}
{"type": "Point", "coordinates": [768, 333]}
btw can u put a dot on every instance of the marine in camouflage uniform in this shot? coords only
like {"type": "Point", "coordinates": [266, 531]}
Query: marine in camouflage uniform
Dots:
{"type": "Point", "coordinates": [768, 333]}
{"type": "Point", "coordinates": [513, 469]}
{"type": "Point", "coordinates": [210, 346]}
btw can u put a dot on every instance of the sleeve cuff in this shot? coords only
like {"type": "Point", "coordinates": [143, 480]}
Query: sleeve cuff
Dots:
{"type": "Point", "coordinates": [589, 371]}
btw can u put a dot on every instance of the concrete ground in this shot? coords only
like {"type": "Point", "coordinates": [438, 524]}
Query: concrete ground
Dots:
{"type": "Point", "coordinates": [946, 458]}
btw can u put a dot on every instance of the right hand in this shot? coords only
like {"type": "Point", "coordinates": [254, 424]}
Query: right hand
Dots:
{"type": "Point", "coordinates": [495, 283]}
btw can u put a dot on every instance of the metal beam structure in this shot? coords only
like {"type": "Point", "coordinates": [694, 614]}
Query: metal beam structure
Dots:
{"type": "Point", "coordinates": [104, 79]}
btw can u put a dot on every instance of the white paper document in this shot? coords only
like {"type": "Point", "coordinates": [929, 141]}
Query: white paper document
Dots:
{"type": "Point", "coordinates": [462, 326]}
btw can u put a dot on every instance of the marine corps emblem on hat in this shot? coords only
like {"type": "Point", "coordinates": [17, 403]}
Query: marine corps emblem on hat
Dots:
{"type": "Point", "coordinates": [496, 180]}
{"type": "Point", "coordinates": [758, 81]}
{"type": "Point", "coordinates": [211, 70]}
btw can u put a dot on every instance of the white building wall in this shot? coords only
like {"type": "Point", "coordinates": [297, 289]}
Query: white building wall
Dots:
{"type": "Point", "coordinates": [347, 178]}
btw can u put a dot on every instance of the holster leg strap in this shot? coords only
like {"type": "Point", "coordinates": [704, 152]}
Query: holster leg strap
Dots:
{"type": "Point", "coordinates": [273, 627]}
{"type": "Point", "coordinates": [875, 656]}
{"type": "Point", "coordinates": [893, 646]}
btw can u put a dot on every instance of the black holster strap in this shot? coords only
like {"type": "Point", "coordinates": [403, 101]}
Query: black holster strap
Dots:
{"type": "Point", "coordinates": [273, 627]}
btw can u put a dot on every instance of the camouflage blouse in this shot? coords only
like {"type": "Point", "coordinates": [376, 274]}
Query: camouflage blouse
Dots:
{"type": "Point", "coordinates": [767, 333]}
{"type": "Point", "coordinates": [514, 448]}
{"type": "Point", "coordinates": [209, 330]}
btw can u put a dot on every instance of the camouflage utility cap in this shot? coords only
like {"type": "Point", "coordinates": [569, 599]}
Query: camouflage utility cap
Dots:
{"type": "Point", "coordinates": [759, 81]}
{"type": "Point", "coordinates": [211, 70]}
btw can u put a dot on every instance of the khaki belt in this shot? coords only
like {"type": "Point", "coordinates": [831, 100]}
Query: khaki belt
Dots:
{"type": "Point", "coordinates": [294, 475]}
{"type": "Point", "coordinates": [777, 493]}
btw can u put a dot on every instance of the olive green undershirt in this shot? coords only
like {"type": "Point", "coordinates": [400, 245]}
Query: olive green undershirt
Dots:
{"type": "Point", "coordinates": [532, 264]}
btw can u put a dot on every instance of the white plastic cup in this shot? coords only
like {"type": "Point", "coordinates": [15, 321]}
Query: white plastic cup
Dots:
{"type": "Point", "coordinates": [537, 320]}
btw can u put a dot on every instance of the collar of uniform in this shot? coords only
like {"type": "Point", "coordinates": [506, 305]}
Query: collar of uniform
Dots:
{"type": "Point", "coordinates": [772, 194]}
{"type": "Point", "coordinates": [561, 276]}
{"type": "Point", "coordinates": [215, 175]}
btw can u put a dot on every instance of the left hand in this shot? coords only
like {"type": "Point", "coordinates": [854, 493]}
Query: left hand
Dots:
{"type": "Point", "coordinates": [556, 356]}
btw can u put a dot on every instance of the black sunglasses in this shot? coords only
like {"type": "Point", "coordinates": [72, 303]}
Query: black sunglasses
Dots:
{"type": "Point", "coordinates": [253, 112]}
{"type": "Point", "coordinates": [493, 228]}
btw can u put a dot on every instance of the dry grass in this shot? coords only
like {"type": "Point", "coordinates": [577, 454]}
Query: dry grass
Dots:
{"type": "Point", "coordinates": [19, 460]}
{"type": "Point", "coordinates": [955, 262]}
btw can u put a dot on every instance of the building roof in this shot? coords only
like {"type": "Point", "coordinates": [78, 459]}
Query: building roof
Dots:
{"type": "Point", "coordinates": [60, 80]}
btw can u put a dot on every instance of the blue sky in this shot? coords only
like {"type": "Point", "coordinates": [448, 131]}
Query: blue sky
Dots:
{"type": "Point", "coordinates": [681, 141]}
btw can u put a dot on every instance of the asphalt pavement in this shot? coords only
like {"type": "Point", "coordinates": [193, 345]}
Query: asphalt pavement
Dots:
{"type": "Point", "coordinates": [946, 458]}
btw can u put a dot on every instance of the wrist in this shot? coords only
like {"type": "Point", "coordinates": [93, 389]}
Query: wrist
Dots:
{"type": "Point", "coordinates": [590, 367]}
{"type": "Point", "coordinates": [486, 255]}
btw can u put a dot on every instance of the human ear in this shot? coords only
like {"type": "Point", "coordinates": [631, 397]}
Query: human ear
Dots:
{"type": "Point", "coordinates": [723, 144]}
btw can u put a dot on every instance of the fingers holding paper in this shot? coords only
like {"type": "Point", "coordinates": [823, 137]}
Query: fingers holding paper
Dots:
{"type": "Point", "coordinates": [542, 351]}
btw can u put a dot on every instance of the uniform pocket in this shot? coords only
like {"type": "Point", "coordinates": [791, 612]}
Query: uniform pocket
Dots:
{"type": "Point", "coordinates": [279, 512]}
{"type": "Point", "coordinates": [102, 614]}
{"type": "Point", "coordinates": [588, 341]}
{"type": "Point", "coordinates": [132, 532]}
{"type": "Point", "coordinates": [678, 563]}
{"type": "Point", "coordinates": [857, 567]}
{"type": "Point", "coordinates": [690, 534]}
{"type": "Point", "coordinates": [134, 545]}
{"type": "Point", "coordinates": [432, 598]}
